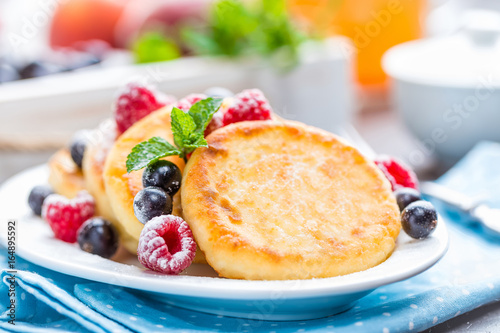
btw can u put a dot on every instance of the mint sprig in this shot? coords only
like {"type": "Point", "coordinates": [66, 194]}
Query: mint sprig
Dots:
{"type": "Point", "coordinates": [188, 129]}
{"type": "Point", "coordinates": [154, 47]}
{"type": "Point", "coordinates": [148, 152]}
{"type": "Point", "coordinates": [202, 113]}
{"type": "Point", "coordinates": [235, 28]}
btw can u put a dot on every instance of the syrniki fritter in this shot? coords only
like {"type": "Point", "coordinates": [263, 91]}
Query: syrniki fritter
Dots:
{"type": "Point", "coordinates": [98, 146]}
{"type": "Point", "coordinates": [65, 177]}
{"type": "Point", "coordinates": [272, 200]}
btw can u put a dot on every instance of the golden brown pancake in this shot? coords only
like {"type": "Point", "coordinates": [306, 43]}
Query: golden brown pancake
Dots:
{"type": "Point", "coordinates": [271, 200]}
{"type": "Point", "coordinates": [65, 177]}
{"type": "Point", "coordinates": [99, 143]}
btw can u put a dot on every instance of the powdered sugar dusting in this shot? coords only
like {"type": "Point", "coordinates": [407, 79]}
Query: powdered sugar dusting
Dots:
{"type": "Point", "coordinates": [137, 101]}
{"type": "Point", "coordinates": [187, 102]}
{"type": "Point", "coordinates": [250, 104]}
{"type": "Point", "coordinates": [216, 122]}
{"type": "Point", "coordinates": [65, 215]}
{"type": "Point", "coordinates": [82, 198]}
{"type": "Point", "coordinates": [397, 172]}
{"type": "Point", "coordinates": [103, 138]}
{"type": "Point", "coordinates": [153, 251]}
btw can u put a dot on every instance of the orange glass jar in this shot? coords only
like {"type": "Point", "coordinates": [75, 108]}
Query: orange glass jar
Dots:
{"type": "Point", "coordinates": [373, 25]}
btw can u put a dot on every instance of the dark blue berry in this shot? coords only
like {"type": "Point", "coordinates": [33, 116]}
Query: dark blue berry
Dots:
{"type": "Point", "coordinates": [419, 219]}
{"type": "Point", "coordinates": [39, 68]}
{"type": "Point", "coordinates": [77, 148]}
{"type": "Point", "coordinates": [81, 60]}
{"type": "Point", "coordinates": [151, 202]}
{"type": "Point", "coordinates": [405, 196]}
{"type": "Point", "coordinates": [98, 236]}
{"type": "Point", "coordinates": [8, 73]}
{"type": "Point", "coordinates": [218, 92]}
{"type": "Point", "coordinates": [37, 197]}
{"type": "Point", "coordinates": [164, 174]}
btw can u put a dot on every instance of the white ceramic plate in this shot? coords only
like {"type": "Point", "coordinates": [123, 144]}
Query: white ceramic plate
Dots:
{"type": "Point", "coordinates": [198, 288]}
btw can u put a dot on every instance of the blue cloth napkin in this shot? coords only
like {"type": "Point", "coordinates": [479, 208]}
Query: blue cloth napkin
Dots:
{"type": "Point", "coordinates": [466, 278]}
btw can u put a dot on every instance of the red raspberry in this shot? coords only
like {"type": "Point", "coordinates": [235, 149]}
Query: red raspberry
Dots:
{"type": "Point", "coordinates": [248, 105]}
{"type": "Point", "coordinates": [216, 122]}
{"type": "Point", "coordinates": [397, 172]}
{"type": "Point", "coordinates": [136, 102]}
{"type": "Point", "coordinates": [187, 102]}
{"type": "Point", "coordinates": [65, 215]}
{"type": "Point", "coordinates": [166, 245]}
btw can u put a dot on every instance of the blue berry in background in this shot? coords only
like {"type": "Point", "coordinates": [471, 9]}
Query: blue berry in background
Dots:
{"type": "Point", "coordinates": [8, 73]}
{"type": "Point", "coordinates": [38, 68]}
{"type": "Point", "coordinates": [37, 197]}
{"type": "Point", "coordinates": [98, 236]}
{"type": "Point", "coordinates": [77, 147]}
{"type": "Point", "coordinates": [152, 202]}
{"type": "Point", "coordinates": [218, 92]}
{"type": "Point", "coordinates": [405, 196]}
{"type": "Point", "coordinates": [164, 174]}
{"type": "Point", "coordinates": [419, 219]}
{"type": "Point", "coordinates": [79, 60]}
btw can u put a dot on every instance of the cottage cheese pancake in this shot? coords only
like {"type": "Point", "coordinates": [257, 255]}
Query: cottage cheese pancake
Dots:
{"type": "Point", "coordinates": [273, 200]}
{"type": "Point", "coordinates": [96, 151]}
{"type": "Point", "coordinates": [65, 177]}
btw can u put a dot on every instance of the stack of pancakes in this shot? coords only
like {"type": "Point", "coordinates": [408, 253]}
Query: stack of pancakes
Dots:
{"type": "Point", "coordinates": [267, 200]}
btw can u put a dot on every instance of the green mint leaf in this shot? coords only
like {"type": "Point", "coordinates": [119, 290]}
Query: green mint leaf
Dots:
{"type": "Point", "coordinates": [229, 25]}
{"type": "Point", "coordinates": [183, 126]}
{"type": "Point", "coordinates": [148, 152]}
{"type": "Point", "coordinates": [203, 111]}
{"type": "Point", "coordinates": [188, 131]}
{"type": "Point", "coordinates": [199, 42]}
{"type": "Point", "coordinates": [195, 140]}
{"type": "Point", "coordinates": [153, 47]}
{"type": "Point", "coordinates": [264, 27]}
{"type": "Point", "coordinates": [275, 8]}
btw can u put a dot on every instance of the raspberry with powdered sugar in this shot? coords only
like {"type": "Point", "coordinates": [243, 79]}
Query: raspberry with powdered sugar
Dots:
{"type": "Point", "coordinates": [187, 102]}
{"type": "Point", "coordinates": [216, 122]}
{"type": "Point", "coordinates": [65, 215]}
{"type": "Point", "coordinates": [166, 245]}
{"type": "Point", "coordinates": [397, 172]}
{"type": "Point", "coordinates": [250, 104]}
{"type": "Point", "coordinates": [136, 102]}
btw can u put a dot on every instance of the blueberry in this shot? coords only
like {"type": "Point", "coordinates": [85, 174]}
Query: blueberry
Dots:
{"type": "Point", "coordinates": [419, 219]}
{"type": "Point", "coordinates": [151, 202]}
{"type": "Point", "coordinates": [405, 196]}
{"type": "Point", "coordinates": [37, 197]}
{"type": "Point", "coordinates": [164, 174]}
{"type": "Point", "coordinates": [98, 236]}
{"type": "Point", "coordinates": [81, 60]}
{"type": "Point", "coordinates": [77, 147]}
{"type": "Point", "coordinates": [218, 92]}
{"type": "Point", "coordinates": [38, 68]}
{"type": "Point", "coordinates": [8, 73]}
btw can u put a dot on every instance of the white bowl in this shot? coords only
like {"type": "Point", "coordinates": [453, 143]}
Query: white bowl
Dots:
{"type": "Point", "coordinates": [447, 89]}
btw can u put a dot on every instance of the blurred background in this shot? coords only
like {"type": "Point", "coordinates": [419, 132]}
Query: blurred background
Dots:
{"type": "Point", "coordinates": [417, 79]}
